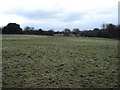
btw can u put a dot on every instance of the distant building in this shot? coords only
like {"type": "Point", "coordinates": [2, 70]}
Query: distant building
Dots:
{"type": "Point", "coordinates": [58, 34]}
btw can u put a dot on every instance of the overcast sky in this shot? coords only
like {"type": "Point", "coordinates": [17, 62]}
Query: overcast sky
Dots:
{"type": "Point", "coordinates": [59, 14]}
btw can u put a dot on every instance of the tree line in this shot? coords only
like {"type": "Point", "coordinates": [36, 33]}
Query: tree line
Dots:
{"type": "Point", "coordinates": [107, 31]}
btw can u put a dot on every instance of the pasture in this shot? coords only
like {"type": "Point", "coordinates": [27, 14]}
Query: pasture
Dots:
{"type": "Point", "coordinates": [33, 61]}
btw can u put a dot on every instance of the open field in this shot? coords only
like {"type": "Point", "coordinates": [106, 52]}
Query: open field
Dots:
{"type": "Point", "coordinates": [59, 62]}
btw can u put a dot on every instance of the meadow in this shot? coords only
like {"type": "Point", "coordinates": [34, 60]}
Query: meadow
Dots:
{"type": "Point", "coordinates": [34, 61]}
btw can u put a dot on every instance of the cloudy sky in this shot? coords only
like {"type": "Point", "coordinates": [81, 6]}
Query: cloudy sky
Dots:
{"type": "Point", "coordinates": [59, 14]}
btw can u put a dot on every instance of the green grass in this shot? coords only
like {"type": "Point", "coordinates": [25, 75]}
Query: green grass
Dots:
{"type": "Point", "coordinates": [31, 61]}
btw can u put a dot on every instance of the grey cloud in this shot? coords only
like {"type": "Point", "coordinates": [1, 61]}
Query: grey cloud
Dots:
{"type": "Point", "coordinates": [40, 14]}
{"type": "Point", "coordinates": [59, 19]}
{"type": "Point", "coordinates": [71, 17]}
{"type": "Point", "coordinates": [36, 14]}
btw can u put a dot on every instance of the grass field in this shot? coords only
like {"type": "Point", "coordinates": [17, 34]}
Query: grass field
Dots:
{"type": "Point", "coordinates": [31, 61]}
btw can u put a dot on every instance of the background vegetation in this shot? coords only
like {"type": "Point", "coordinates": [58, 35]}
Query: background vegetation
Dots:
{"type": "Point", "coordinates": [107, 31]}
